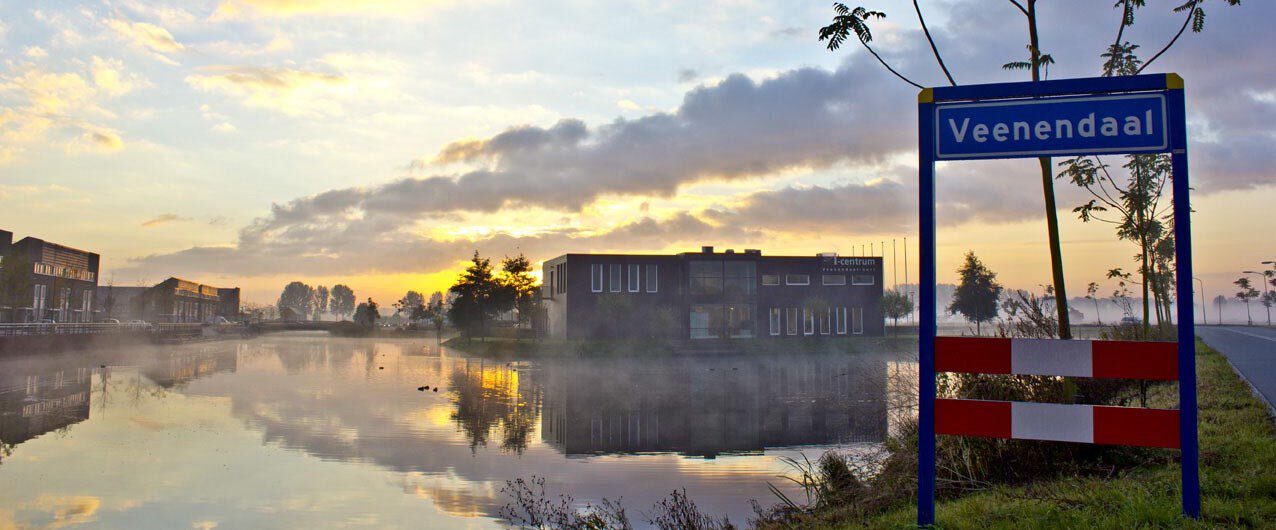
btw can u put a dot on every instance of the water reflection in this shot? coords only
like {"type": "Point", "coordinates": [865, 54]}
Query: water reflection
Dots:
{"type": "Point", "coordinates": [704, 407]}
{"type": "Point", "coordinates": [343, 421]}
{"type": "Point", "coordinates": [33, 403]}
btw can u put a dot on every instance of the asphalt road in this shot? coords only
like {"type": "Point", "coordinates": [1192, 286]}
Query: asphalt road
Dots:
{"type": "Point", "coordinates": [1252, 350]}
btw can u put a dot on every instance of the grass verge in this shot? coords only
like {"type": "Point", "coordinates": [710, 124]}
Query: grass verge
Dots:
{"type": "Point", "coordinates": [1238, 476]}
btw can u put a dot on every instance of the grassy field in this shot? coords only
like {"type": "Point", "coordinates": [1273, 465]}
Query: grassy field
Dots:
{"type": "Point", "coordinates": [1238, 476]}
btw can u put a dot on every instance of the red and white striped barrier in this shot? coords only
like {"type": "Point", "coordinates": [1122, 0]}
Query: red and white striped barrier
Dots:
{"type": "Point", "coordinates": [1062, 423]}
{"type": "Point", "coordinates": [1074, 358]}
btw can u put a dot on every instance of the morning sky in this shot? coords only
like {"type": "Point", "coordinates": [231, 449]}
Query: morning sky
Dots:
{"type": "Point", "coordinates": [379, 143]}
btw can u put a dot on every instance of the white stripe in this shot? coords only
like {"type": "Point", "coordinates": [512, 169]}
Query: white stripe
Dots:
{"type": "Point", "coordinates": [1051, 357]}
{"type": "Point", "coordinates": [1049, 421]}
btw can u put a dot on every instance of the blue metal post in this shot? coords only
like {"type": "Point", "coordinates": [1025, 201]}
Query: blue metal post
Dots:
{"type": "Point", "coordinates": [1186, 320]}
{"type": "Point", "coordinates": [926, 328]}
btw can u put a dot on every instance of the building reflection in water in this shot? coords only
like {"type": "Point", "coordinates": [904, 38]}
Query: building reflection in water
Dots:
{"type": "Point", "coordinates": [698, 407]}
{"type": "Point", "coordinates": [32, 404]}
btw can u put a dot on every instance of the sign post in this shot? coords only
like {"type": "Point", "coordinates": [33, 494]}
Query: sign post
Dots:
{"type": "Point", "coordinates": [1071, 117]}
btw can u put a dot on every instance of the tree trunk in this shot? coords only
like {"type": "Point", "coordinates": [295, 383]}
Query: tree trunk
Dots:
{"type": "Point", "coordinates": [1047, 188]}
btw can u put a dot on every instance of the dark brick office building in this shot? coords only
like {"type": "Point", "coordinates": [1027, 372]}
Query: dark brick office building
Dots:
{"type": "Point", "coordinates": [711, 295]}
{"type": "Point", "coordinates": [176, 300]}
{"type": "Point", "coordinates": [62, 280]}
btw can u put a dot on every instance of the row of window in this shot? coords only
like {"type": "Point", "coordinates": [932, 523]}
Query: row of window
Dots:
{"type": "Point", "coordinates": [639, 278]}
{"type": "Point", "coordinates": [825, 279]}
{"type": "Point", "coordinates": [833, 320]}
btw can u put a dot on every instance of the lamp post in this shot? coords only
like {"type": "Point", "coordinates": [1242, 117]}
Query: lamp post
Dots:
{"type": "Point", "coordinates": [1205, 310]}
{"type": "Point", "coordinates": [1263, 280]}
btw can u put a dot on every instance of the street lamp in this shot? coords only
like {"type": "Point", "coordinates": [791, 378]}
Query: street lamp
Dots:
{"type": "Point", "coordinates": [1205, 310]}
{"type": "Point", "coordinates": [1263, 280]}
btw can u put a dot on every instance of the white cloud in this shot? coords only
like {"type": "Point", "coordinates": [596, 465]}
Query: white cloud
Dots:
{"type": "Point", "coordinates": [149, 37]}
{"type": "Point", "coordinates": [224, 127]}
{"type": "Point", "coordinates": [35, 52]}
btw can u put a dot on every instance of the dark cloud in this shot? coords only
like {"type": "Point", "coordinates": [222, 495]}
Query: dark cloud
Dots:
{"type": "Point", "coordinates": [687, 75]}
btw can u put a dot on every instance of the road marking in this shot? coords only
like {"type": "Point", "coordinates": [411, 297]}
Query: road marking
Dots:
{"type": "Point", "coordinates": [1255, 335]}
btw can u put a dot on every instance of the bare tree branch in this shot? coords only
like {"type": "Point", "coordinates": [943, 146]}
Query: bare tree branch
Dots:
{"type": "Point", "coordinates": [888, 67]}
{"type": "Point", "coordinates": [933, 48]}
{"type": "Point", "coordinates": [1020, 6]}
{"type": "Point", "coordinates": [1186, 20]}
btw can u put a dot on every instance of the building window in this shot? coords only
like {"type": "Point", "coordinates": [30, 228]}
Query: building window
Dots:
{"type": "Point", "coordinates": [596, 277]}
{"type": "Point", "coordinates": [826, 318]}
{"type": "Point", "coordinates": [739, 280]}
{"type": "Point", "coordinates": [739, 320]}
{"type": "Point", "coordinates": [857, 320]}
{"type": "Point", "coordinates": [635, 272]}
{"type": "Point", "coordinates": [833, 279]}
{"type": "Point", "coordinates": [553, 287]}
{"type": "Point", "coordinates": [653, 278]}
{"type": "Point", "coordinates": [561, 283]}
{"type": "Point", "coordinates": [41, 295]}
{"type": "Point", "coordinates": [616, 272]}
{"type": "Point", "coordinates": [862, 279]}
{"type": "Point", "coordinates": [775, 321]}
{"type": "Point", "coordinates": [791, 320]}
{"type": "Point", "coordinates": [839, 319]}
{"type": "Point", "coordinates": [797, 279]}
{"type": "Point", "coordinates": [705, 279]}
{"type": "Point", "coordinates": [770, 279]}
{"type": "Point", "coordinates": [705, 322]}
{"type": "Point", "coordinates": [808, 321]}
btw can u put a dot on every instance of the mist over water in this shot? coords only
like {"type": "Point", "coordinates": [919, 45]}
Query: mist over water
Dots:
{"type": "Point", "coordinates": [304, 430]}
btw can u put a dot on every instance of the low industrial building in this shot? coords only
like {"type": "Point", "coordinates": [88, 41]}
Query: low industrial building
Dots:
{"type": "Point", "coordinates": [177, 301]}
{"type": "Point", "coordinates": [60, 284]}
{"type": "Point", "coordinates": [711, 295]}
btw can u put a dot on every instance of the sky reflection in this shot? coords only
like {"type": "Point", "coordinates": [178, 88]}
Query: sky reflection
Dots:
{"type": "Point", "coordinates": [317, 432]}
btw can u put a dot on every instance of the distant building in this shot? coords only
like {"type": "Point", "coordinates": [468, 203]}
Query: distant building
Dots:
{"type": "Point", "coordinates": [711, 295]}
{"type": "Point", "coordinates": [176, 300]}
{"type": "Point", "coordinates": [62, 280]}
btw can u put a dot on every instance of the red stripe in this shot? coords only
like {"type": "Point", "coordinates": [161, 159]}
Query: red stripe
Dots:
{"type": "Point", "coordinates": [971, 417]}
{"type": "Point", "coordinates": [972, 355]}
{"type": "Point", "coordinates": [1136, 360]}
{"type": "Point", "coordinates": [1135, 426]}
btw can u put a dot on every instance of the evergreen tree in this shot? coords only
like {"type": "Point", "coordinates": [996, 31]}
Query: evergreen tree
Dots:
{"type": "Point", "coordinates": [478, 298]}
{"type": "Point", "coordinates": [978, 294]}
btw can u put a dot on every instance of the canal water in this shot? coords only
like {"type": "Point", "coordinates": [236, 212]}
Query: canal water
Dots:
{"type": "Point", "coordinates": [307, 431]}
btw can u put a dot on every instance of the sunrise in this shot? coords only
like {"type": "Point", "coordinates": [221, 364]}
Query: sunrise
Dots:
{"type": "Point", "coordinates": [437, 253]}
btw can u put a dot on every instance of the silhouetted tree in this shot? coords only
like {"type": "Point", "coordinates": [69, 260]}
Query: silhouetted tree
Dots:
{"type": "Point", "coordinates": [321, 301]}
{"type": "Point", "coordinates": [1246, 294]}
{"type": "Point", "coordinates": [342, 303]}
{"type": "Point", "coordinates": [1090, 292]}
{"type": "Point", "coordinates": [298, 298]}
{"type": "Point", "coordinates": [896, 305]}
{"type": "Point", "coordinates": [367, 314]}
{"type": "Point", "coordinates": [516, 278]}
{"type": "Point", "coordinates": [977, 294]}
{"type": "Point", "coordinates": [1219, 302]}
{"type": "Point", "coordinates": [478, 298]}
{"type": "Point", "coordinates": [410, 301]}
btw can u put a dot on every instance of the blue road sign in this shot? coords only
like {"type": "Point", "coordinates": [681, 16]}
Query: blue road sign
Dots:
{"type": "Point", "coordinates": [1128, 114]}
{"type": "Point", "coordinates": [1131, 123]}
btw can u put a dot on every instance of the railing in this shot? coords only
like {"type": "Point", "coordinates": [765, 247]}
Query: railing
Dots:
{"type": "Point", "coordinates": [74, 328]}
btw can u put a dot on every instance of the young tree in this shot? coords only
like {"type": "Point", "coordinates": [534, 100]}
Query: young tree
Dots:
{"type": "Point", "coordinates": [896, 305]}
{"type": "Point", "coordinates": [1246, 294]}
{"type": "Point", "coordinates": [1090, 292]}
{"type": "Point", "coordinates": [1119, 59]}
{"type": "Point", "coordinates": [478, 298]}
{"type": "Point", "coordinates": [298, 298]}
{"type": "Point", "coordinates": [342, 303]}
{"type": "Point", "coordinates": [516, 278]}
{"type": "Point", "coordinates": [1219, 302]}
{"type": "Point", "coordinates": [977, 294]}
{"type": "Point", "coordinates": [321, 301]}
